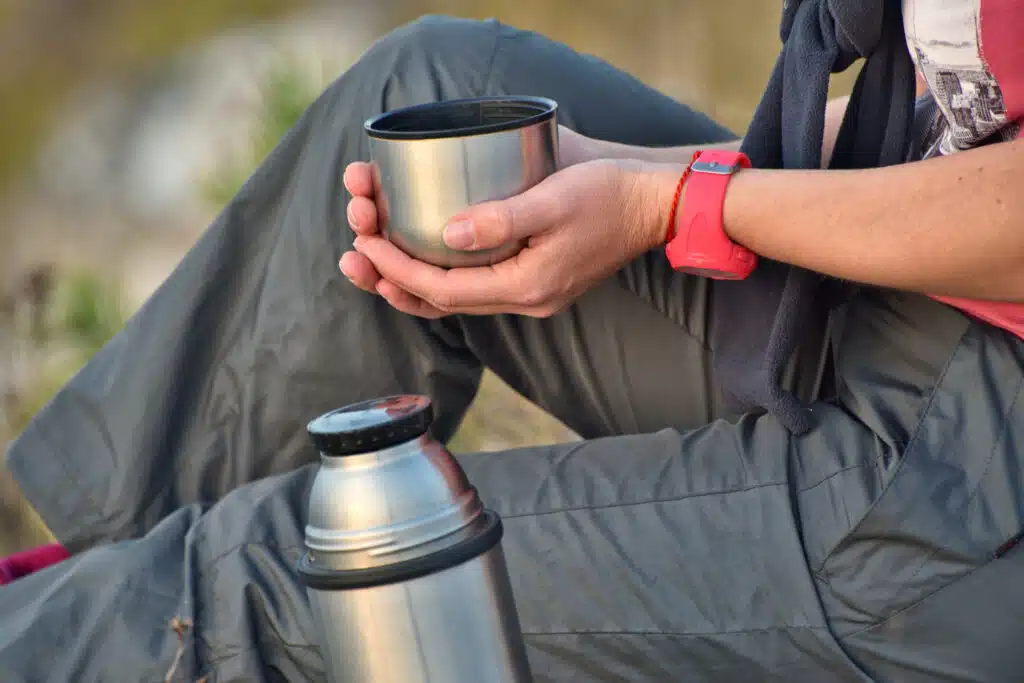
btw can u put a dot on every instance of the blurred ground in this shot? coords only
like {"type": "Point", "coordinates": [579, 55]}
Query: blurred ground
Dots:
{"type": "Point", "coordinates": [124, 126]}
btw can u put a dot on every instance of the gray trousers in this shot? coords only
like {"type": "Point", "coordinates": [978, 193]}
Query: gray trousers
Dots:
{"type": "Point", "coordinates": [676, 543]}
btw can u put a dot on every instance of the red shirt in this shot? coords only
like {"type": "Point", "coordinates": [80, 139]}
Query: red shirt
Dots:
{"type": "Point", "coordinates": [971, 53]}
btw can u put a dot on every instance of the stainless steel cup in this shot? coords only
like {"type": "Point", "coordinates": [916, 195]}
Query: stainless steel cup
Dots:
{"type": "Point", "coordinates": [403, 564]}
{"type": "Point", "coordinates": [431, 161]}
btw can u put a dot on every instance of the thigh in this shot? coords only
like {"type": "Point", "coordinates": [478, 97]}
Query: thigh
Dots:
{"type": "Point", "coordinates": [681, 555]}
{"type": "Point", "coordinates": [595, 98]}
{"type": "Point", "coordinates": [926, 586]}
{"type": "Point", "coordinates": [628, 357]}
{"type": "Point", "coordinates": [668, 556]}
{"type": "Point", "coordinates": [879, 546]}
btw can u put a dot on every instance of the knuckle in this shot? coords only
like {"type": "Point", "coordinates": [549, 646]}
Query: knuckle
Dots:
{"type": "Point", "coordinates": [545, 291]}
{"type": "Point", "coordinates": [543, 311]}
{"type": "Point", "coordinates": [509, 219]}
{"type": "Point", "coordinates": [500, 220]}
{"type": "Point", "coordinates": [443, 301]}
{"type": "Point", "coordinates": [548, 298]}
{"type": "Point", "coordinates": [536, 294]}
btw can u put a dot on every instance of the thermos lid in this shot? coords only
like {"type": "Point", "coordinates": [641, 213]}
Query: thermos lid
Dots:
{"type": "Point", "coordinates": [403, 511]}
{"type": "Point", "coordinates": [371, 425]}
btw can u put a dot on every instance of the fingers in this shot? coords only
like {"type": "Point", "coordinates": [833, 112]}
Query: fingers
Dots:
{"type": "Point", "coordinates": [489, 225]}
{"type": "Point", "coordinates": [361, 211]}
{"type": "Point", "coordinates": [358, 179]}
{"type": "Point", "coordinates": [406, 302]}
{"type": "Point", "coordinates": [359, 270]}
{"type": "Point", "coordinates": [455, 290]}
{"type": "Point", "coordinates": [362, 272]}
{"type": "Point", "coordinates": [362, 216]}
{"type": "Point", "coordinates": [423, 290]}
{"type": "Point", "coordinates": [492, 224]}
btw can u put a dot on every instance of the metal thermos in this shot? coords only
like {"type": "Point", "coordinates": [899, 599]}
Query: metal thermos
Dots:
{"type": "Point", "coordinates": [403, 564]}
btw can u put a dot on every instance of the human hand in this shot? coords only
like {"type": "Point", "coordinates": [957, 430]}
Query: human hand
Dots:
{"type": "Point", "coordinates": [580, 224]}
{"type": "Point", "coordinates": [573, 148]}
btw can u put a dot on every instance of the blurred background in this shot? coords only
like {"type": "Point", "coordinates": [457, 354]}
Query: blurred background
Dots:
{"type": "Point", "coordinates": [125, 125]}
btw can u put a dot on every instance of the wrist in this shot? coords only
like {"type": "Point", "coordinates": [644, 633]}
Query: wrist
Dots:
{"type": "Point", "coordinates": [659, 186]}
{"type": "Point", "coordinates": [696, 238]}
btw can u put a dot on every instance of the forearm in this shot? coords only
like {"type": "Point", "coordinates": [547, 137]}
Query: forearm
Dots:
{"type": "Point", "coordinates": [949, 226]}
{"type": "Point", "coordinates": [603, 149]}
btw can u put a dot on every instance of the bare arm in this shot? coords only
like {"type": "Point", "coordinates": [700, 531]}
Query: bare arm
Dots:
{"type": "Point", "coordinates": [603, 149]}
{"type": "Point", "coordinates": [591, 148]}
{"type": "Point", "coordinates": [950, 226]}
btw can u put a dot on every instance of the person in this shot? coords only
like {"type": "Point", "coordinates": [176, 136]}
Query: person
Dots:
{"type": "Point", "coordinates": [682, 539]}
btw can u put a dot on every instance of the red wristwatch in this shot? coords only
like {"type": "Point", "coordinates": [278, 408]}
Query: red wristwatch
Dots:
{"type": "Point", "coordinates": [700, 245]}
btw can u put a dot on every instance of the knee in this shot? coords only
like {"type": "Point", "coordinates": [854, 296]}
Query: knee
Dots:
{"type": "Point", "coordinates": [437, 33]}
{"type": "Point", "coordinates": [433, 57]}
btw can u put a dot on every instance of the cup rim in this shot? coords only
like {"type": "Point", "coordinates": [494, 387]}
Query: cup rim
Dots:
{"type": "Point", "coordinates": [546, 110]}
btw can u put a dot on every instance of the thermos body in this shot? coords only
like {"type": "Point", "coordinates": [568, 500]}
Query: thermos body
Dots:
{"type": "Point", "coordinates": [457, 624]}
{"type": "Point", "coordinates": [404, 568]}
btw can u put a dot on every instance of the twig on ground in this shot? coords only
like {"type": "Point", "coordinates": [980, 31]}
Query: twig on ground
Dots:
{"type": "Point", "coordinates": [180, 627]}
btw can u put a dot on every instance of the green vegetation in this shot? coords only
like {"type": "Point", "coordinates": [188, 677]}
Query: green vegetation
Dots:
{"type": "Point", "coordinates": [63, 319]}
{"type": "Point", "coordinates": [55, 323]}
{"type": "Point", "coordinates": [287, 93]}
{"type": "Point", "coordinates": [51, 48]}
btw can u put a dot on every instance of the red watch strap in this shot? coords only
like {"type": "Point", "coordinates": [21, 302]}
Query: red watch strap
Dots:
{"type": "Point", "coordinates": [670, 231]}
{"type": "Point", "coordinates": [701, 245]}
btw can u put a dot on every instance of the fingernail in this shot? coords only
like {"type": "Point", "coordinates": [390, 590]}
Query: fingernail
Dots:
{"type": "Point", "coordinates": [351, 217]}
{"type": "Point", "coordinates": [358, 242]}
{"type": "Point", "coordinates": [459, 235]}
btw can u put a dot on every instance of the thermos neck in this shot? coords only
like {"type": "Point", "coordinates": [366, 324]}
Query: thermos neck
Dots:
{"type": "Point", "coordinates": [352, 462]}
{"type": "Point", "coordinates": [386, 512]}
{"type": "Point", "coordinates": [389, 506]}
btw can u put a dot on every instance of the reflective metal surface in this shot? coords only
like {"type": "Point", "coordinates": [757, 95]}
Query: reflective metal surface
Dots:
{"type": "Point", "coordinates": [455, 626]}
{"type": "Point", "coordinates": [383, 507]}
{"type": "Point", "coordinates": [373, 516]}
{"type": "Point", "coordinates": [430, 166]}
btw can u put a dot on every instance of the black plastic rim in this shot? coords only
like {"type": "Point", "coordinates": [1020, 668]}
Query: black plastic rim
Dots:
{"type": "Point", "coordinates": [464, 551]}
{"type": "Point", "coordinates": [459, 118]}
{"type": "Point", "coordinates": [371, 425]}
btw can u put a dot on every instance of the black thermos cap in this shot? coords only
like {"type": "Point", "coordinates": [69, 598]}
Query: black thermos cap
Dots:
{"type": "Point", "coordinates": [371, 425]}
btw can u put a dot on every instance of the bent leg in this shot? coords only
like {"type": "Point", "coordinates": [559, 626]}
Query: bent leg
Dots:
{"type": "Point", "coordinates": [732, 552]}
{"type": "Point", "coordinates": [668, 556]}
{"type": "Point", "coordinates": [210, 384]}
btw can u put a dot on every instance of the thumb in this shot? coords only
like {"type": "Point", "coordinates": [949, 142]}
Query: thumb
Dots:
{"type": "Point", "coordinates": [492, 224]}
